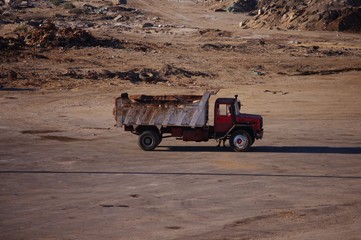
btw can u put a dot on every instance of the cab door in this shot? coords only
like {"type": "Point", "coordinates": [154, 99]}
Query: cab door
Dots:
{"type": "Point", "coordinates": [223, 120]}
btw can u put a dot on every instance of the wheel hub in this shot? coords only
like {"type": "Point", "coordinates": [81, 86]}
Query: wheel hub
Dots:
{"type": "Point", "coordinates": [240, 141]}
{"type": "Point", "coordinates": [147, 141]}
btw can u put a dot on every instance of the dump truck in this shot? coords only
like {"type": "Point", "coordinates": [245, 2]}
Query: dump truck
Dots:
{"type": "Point", "coordinates": [185, 117]}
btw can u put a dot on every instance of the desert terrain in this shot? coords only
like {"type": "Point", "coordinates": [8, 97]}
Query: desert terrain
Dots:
{"type": "Point", "coordinates": [67, 173]}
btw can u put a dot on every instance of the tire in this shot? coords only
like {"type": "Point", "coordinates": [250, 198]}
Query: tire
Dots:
{"type": "Point", "coordinates": [240, 141]}
{"type": "Point", "coordinates": [148, 140]}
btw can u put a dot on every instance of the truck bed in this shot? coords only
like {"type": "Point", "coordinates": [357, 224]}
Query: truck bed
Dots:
{"type": "Point", "coordinates": [167, 110]}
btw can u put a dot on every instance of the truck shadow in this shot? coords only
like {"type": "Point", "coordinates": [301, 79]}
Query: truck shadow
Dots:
{"type": "Point", "coordinates": [266, 149]}
{"type": "Point", "coordinates": [193, 149]}
{"type": "Point", "coordinates": [307, 149]}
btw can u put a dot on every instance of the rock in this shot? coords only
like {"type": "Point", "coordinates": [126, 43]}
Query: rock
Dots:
{"type": "Point", "coordinates": [258, 73]}
{"type": "Point", "coordinates": [243, 6]}
{"type": "Point", "coordinates": [119, 17]}
{"type": "Point", "coordinates": [294, 42]}
{"type": "Point", "coordinates": [118, 2]}
{"type": "Point", "coordinates": [87, 8]}
{"type": "Point", "coordinates": [148, 25]}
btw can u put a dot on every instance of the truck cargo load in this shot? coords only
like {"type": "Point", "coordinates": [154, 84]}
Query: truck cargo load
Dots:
{"type": "Point", "coordinates": [175, 110]}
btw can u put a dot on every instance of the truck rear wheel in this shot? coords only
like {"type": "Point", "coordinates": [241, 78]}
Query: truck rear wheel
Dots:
{"type": "Point", "coordinates": [240, 141]}
{"type": "Point", "coordinates": [148, 140]}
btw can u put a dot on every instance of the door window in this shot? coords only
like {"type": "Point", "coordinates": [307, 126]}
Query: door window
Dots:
{"type": "Point", "coordinates": [224, 110]}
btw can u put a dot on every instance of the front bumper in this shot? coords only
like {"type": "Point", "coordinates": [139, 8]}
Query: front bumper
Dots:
{"type": "Point", "coordinates": [259, 134]}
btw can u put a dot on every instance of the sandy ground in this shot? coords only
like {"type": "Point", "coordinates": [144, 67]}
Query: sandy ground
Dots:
{"type": "Point", "coordinates": [67, 173]}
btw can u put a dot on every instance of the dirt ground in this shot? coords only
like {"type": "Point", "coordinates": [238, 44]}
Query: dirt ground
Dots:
{"type": "Point", "coordinates": [67, 173]}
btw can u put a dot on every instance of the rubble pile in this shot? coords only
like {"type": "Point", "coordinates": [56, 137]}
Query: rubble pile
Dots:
{"type": "Point", "coordinates": [242, 6]}
{"type": "Point", "coordinates": [317, 15]}
{"type": "Point", "coordinates": [225, 47]}
{"type": "Point", "coordinates": [343, 15]}
{"type": "Point", "coordinates": [171, 70]}
{"type": "Point", "coordinates": [48, 35]}
{"type": "Point", "coordinates": [16, 3]}
{"type": "Point", "coordinates": [90, 9]}
{"type": "Point", "coordinates": [138, 75]}
{"type": "Point", "coordinates": [11, 43]}
{"type": "Point", "coordinates": [135, 75]}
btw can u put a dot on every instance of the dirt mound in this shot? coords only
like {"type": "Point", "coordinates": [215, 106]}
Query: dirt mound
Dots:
{"type": "Point", "coordinates": [48, 35]}
{"type": "Point", "coordinates": [171, 70]}
{"type": "Point", "coordinates": [308, 15]}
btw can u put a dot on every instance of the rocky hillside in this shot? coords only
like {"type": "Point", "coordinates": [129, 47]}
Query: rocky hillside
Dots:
{"type": "Point", "coordinates": [330, 15]}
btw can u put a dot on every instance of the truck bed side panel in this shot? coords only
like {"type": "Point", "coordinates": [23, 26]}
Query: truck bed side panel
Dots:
{"type": "Point", "coordinates": [189, 111]}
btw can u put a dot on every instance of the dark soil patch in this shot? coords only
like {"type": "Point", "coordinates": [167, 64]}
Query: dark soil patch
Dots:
{"type": "Point", "coordinates": [225, 47]}
{"type": "Point", "coordinates": [64, 139]}
{"type": "Point", "coordinates": [326, 72]}
{"type": "Point", "coordinates": [39, 131]}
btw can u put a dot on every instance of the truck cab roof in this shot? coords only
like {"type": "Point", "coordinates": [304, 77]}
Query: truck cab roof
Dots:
{"type": "Point", "coordinates": [225, 100]}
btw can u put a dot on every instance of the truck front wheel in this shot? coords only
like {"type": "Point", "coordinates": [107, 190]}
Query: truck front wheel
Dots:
{"type": "Point", "coordinates": [148, 140]}
{"type": "Point", "coordinates": [240, 141]}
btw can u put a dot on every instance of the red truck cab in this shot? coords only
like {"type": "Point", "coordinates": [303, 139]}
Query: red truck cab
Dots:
{"type": "Point", "coordinates": [240, 128]}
